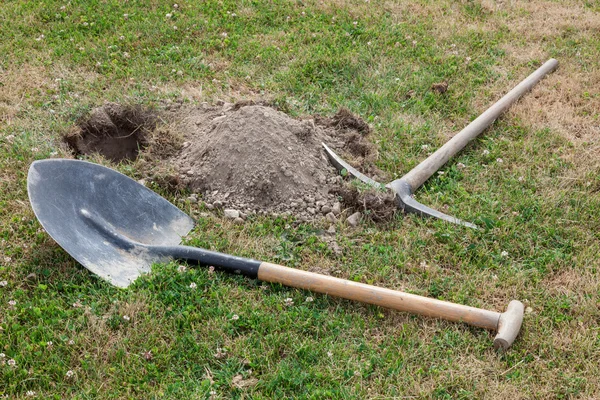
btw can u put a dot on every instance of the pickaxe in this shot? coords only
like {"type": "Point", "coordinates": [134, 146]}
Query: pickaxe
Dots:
{"type": "Point", "coordinates": [409, 183]}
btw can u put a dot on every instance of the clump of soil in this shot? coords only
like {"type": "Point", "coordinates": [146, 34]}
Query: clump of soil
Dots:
{"type": "Point", "coordinates": [115, 131]}
{"type": "Point", "coordinates": [254, 158]}
{"type": "Point", "coordinates": [376, 204]}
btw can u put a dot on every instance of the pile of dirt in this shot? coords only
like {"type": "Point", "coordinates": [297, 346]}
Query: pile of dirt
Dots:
{"type": "Point", "coordinates": [244, 157]}
{"type": "Point", "coordinates": [256, 159]}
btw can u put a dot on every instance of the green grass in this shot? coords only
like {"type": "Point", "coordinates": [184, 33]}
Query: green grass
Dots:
{"type": "Point", "coordinates": [539, 205]}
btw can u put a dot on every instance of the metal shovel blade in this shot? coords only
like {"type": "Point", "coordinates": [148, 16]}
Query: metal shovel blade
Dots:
{"type": "Point", "coordinates": [71, 198]}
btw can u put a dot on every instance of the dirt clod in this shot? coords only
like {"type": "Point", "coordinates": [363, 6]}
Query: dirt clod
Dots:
{"type": "Point", "coordinates": [375, 204]}
{"type": "Point", "coordinates": [440, 87]}
{"type": "Point", "coordinates": [346, 120]}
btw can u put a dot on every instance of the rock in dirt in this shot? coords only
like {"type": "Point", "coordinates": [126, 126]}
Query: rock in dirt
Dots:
{"type": "Point", "coordinates": [231, 214]}
{"type": "Point", "coordinates": [354, 219]}
{"type": "Point", "coordinates": [337, 208]}
{"type": "Point", "coordinates": [331, 217]}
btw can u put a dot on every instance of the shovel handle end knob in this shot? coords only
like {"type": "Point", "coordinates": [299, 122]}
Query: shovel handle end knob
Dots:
{"type": "Point", "coordinates": [509, 325]}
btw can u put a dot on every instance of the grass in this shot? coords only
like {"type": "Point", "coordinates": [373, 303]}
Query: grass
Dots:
{"type": "Point", "coordinates": [532, 180]}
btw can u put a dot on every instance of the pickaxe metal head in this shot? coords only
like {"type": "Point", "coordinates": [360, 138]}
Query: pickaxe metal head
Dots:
{"type": "Point", "coordinates": [402, 190]}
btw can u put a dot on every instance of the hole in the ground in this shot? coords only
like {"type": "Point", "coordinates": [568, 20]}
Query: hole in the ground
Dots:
{"type": "Point", "coordinates": [115, 131]}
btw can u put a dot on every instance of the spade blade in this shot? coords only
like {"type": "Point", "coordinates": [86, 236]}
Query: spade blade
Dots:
{"type": "Point", "coordinates": [63, 193]}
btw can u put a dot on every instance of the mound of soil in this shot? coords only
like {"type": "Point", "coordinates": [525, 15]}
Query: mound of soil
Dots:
{"type": "Point", "coordinates": [247, 157]}
{"type": "Point", "coordinates": [254, 158]}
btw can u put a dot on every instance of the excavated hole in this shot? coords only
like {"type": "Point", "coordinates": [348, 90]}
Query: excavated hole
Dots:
{"type": "Point", "coordinates": [115, 131]}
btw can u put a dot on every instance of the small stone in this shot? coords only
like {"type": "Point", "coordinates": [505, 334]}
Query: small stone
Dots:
{"type": "Point", "coordinates": [293, 204]}
{"type": "Point", "coordinates": [238, 221]}
{"type": "Point", "coordinates": [325, 209]}
{"type": "Point", "coordinates": [186, 144]}
{"type": "Point", "coordinates": [243, 215]}
{"type": "Point", "coordinates": [220, 102]}
{"type": "Point", "coordinates": [337, 208]}
{"type": "Point", "coordinates": [354, 219]}
{"type": "Point", "coordinates": [209, 206]}
{"type": "Point", "coordinates": [219, 118]}
{"type": "Point", "coordinates": [331, 230]}
{"type": "Point", "coordinates": [190, 173]}
{"type": "Point", "coordinates": [331, 217]}
{"type": "Point", "coordinates": [193, 199]}
{"type": "Point", "coordinates": [231, 214]}
{"type": "Point", "coordinates": [311, 210]}
{"type": "Point", "coordinates": [204, 215]}
{"type": "Point", "coordinates": [320, 203]}
{"type": "Point", "coordinates": [218, 204]}
{"type": "Point", "coordinates": [227, 107]}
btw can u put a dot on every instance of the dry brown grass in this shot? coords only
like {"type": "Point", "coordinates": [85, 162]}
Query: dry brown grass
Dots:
{"type": "Point", "coordinates": [537, 20]}
{"type": "Point", "coordinates": [16, 85]}
{"type": "Point", "coordinates": [569, 101]}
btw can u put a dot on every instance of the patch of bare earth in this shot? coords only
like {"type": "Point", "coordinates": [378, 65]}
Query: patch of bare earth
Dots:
{"type": "Point", "coordinates": [116, 132]}
{"type": "Point", "coordinates": [246, 157]}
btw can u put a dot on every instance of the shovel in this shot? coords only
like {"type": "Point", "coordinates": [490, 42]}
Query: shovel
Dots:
{"type": "Point", "coordinates": [117, 228]}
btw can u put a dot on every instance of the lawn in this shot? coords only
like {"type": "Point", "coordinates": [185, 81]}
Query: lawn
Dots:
{"type": "Point", "coordinates": [532, 181]}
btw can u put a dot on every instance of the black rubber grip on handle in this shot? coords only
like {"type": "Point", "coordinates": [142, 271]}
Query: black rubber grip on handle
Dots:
{"type": "Point", "coordinates": [232, 264]}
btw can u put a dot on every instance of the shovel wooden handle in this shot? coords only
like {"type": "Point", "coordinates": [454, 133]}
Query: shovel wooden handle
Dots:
{"type": "Point", "coordinates": [506, 324]}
